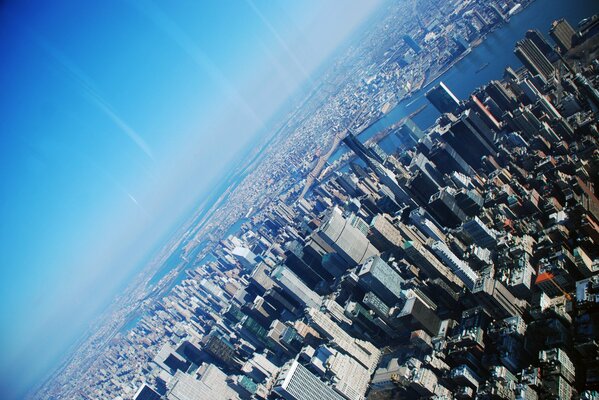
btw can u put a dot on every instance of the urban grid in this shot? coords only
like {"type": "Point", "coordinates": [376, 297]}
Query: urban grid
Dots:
{"type": "Point", "coordinates": [462, 265]}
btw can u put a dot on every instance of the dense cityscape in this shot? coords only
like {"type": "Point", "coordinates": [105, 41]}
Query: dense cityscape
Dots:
{"type": "Point", "coordinates": [462, 265]}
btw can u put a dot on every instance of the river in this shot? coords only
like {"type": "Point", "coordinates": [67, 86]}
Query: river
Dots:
{"type": "Point", "coordinates": [497, 50]}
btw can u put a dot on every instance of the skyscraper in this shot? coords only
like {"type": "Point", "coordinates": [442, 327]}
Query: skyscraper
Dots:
{"type": "Point", "coordinates": [541, 43]}
{"type": "Point", "coordinates": [375, 163]}
{"type": "Point", "coordinates": [409, 133]}
{"type": "Point", "coordinates": [562, 34]}
{"type": "Point", "coordinates": [295, 382]}
{"type": "Point", "coordinates": [471, 138]}
{"type": "Point", "coordinates": [429, 264]}
{"type": "Point", "coordinates": [377, 276]}
{"type": "Point", "coordinates": [501, 96]}
{"type": "Point", "coordinates": [533, 59]}
{"type": "Point", "coordinates": [349, 242]}
{"type": "Point", "coordinates": [295, 287]}
{"type": "Point", "coordinates": [459, 267]}
{"type": "Point", "coordinates": [412, 43]}
{"type": "Point", "coordinates": [443, 99]}
{"type": "Point", "coordinates": [146, 393]}
{"type": "Point", "coordinates": [383, 235]}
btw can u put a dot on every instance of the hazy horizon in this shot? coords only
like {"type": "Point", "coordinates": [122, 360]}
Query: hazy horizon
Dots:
{"type": "Point", "coordinates": [117, 120]}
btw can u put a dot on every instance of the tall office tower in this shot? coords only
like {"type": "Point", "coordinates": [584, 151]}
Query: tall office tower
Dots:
{"type": "Point", "coordinates": [170, 361]}
{"type": "Point", "coordinates": [377, 305]}
{"type": "Point", "coordinates": [412, 43]}
{"type": "Point", "coordinates": [533, 59]}
{"type": "Point", "coordinates": [218, 346]}
{"type": "Point", "coordinates": [250, 330]}
{"type": "Point", "coordinates": [211, 385]}
{"type": "Point", "coordinates": [485, 112]}
{"type": "Point", "coordinates": [470, 201]}
{"type": "Point", "coordinates": [317, 251]}
{"type": "Point", "coordinates": [259, 280]}
{"type": "Point", "coordinates": [539, 40]}
{"type": "Point", "coordinates": [383, 234]}
{"type": "Point", "coordinates": [409, 133]}
{"type": "Point", "coordinates": [425, 223]}
{"type": "Point", "coordinates": [414, 315]}
{"type": "Point", "coordinates": [313, 274]}
{"type": "Point", "coordinates": [448, 160]}
{"type": "Point", "coordinates": [471, 138]}
{"type": "Point", "coordinates": [420, 164]}
{"type": "Point", "coordinates": [501, 96]}
{"type": "Point", "coordinates": [416, 132]}
{"type": "Point", "coordinates": [296, 382]}
{"type": "Point", "coordinates": [586, 88]}
{"type": "Point", "coordinates": [459, 267]}
{"type": "Point", "coordinates": [496, 299]}
{"type": "Point", "coordinates": [428, 263]}
{"type": "Point", "coordinates": [443, 99]}
{"type": "Point", "coordinates": [378, 277]}
{"type": "Point", "coordinates": [363, 351]}
{"type": "Point", "coordinates": [444, 207]}
{"type": "Point", "coordinates": [295, 287]}
{"type": "Point", "coordinates": [562, 34]}
{"type": "Point", "coordinates": [556, 362]}
{"type": "Point", "coordinates": [365, 153]}
{"type": "Point", "coordinates": [245, 256]}
{"type": "Point", "coordinates": [524, 121]}
{"type": "Point", "coordinates": [374, 161]}
{"type": "Point", "coordinates": [146, 393]}
{"type": "Point", "coordinates": [422, 187]}
{"type": "Point", "coordinates": [261, 310]}
{"type": "Point", "coordinates": [361, 317]}
{"type": "Point", "coordinates": [480, 233]}
{"type": "Point", "coordinates": [349, 242]}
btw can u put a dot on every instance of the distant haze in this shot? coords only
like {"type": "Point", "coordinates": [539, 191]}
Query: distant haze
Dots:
{"type": "Point", "coordinates": [116, 118]}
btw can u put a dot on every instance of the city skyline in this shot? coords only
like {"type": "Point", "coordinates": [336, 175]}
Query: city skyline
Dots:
{"type": "Point", "coordinates": [273, 200]}
{"type": "Point", "coordinates": [99, 102]}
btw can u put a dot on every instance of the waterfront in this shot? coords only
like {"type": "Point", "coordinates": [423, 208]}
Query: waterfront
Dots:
{"type": "Point", "coordinates": [466, 75]}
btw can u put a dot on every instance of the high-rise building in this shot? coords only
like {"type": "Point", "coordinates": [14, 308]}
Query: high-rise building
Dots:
{"type": "Point", "coordinates": [312, 273]}
{"type": "Point", "coordinates": [497, 300]}
{"type": "Point", "coordinates": [425, 223]}
{"type": "Point", "coordinates": [378, 277]}
{"type": "Point", "coordinates": [361, 151]}
{"type": "Point", "coordinates": [412, 43]}
{"type": "Point", "coordinates": [245, 256]}
{"type": "Point", "coordinates": [211, 385]}
{"type": "Point", "coordinates": [296, 382]}
{"type": "Point", "coordinates": [383, 234]}
{"type": "Point", "coordinates": [409, 133]}
{"type": "Point", "coordinates": [480, 233]}
{"type": "Point", "coordinates": [562, 34]}
{"type": "Point", "coordinates": [428, 263]}
{"type": "Point", "coordinates": [501, 96]}
{"type": "Point", "coordinates": [533, 59]}
{"type": "Point", "coordinates": [538, 39]}
{"type": "Point", "coordinates": [443, 99]}
{"type": "Point", "coordinates": [374, 161]}
{"type": "Point", "coordinates": [471, 138]}
{"type": "Point", "coordinates": [146, 393]}
{"type": "Point", "coordinates": [295, 287]}
{"type": "Point", "coordinates": [364, 352]}
{"type": "Point", "coordinates": [349, 242]}
{"type": "Point", "coordinates": [444, 207]}
{"type": "Point", "coordinates": [459, 267]}
{"type": "Point", "coordinates": [218, 346]}
{"type": "Point", "coordinates": [415, 315]}
{"type": "Point", "coordinates": [376, 304]}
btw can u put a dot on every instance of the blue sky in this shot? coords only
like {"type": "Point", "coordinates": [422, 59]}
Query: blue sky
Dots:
{"type": "Point", "coordinates": [115, 117]}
